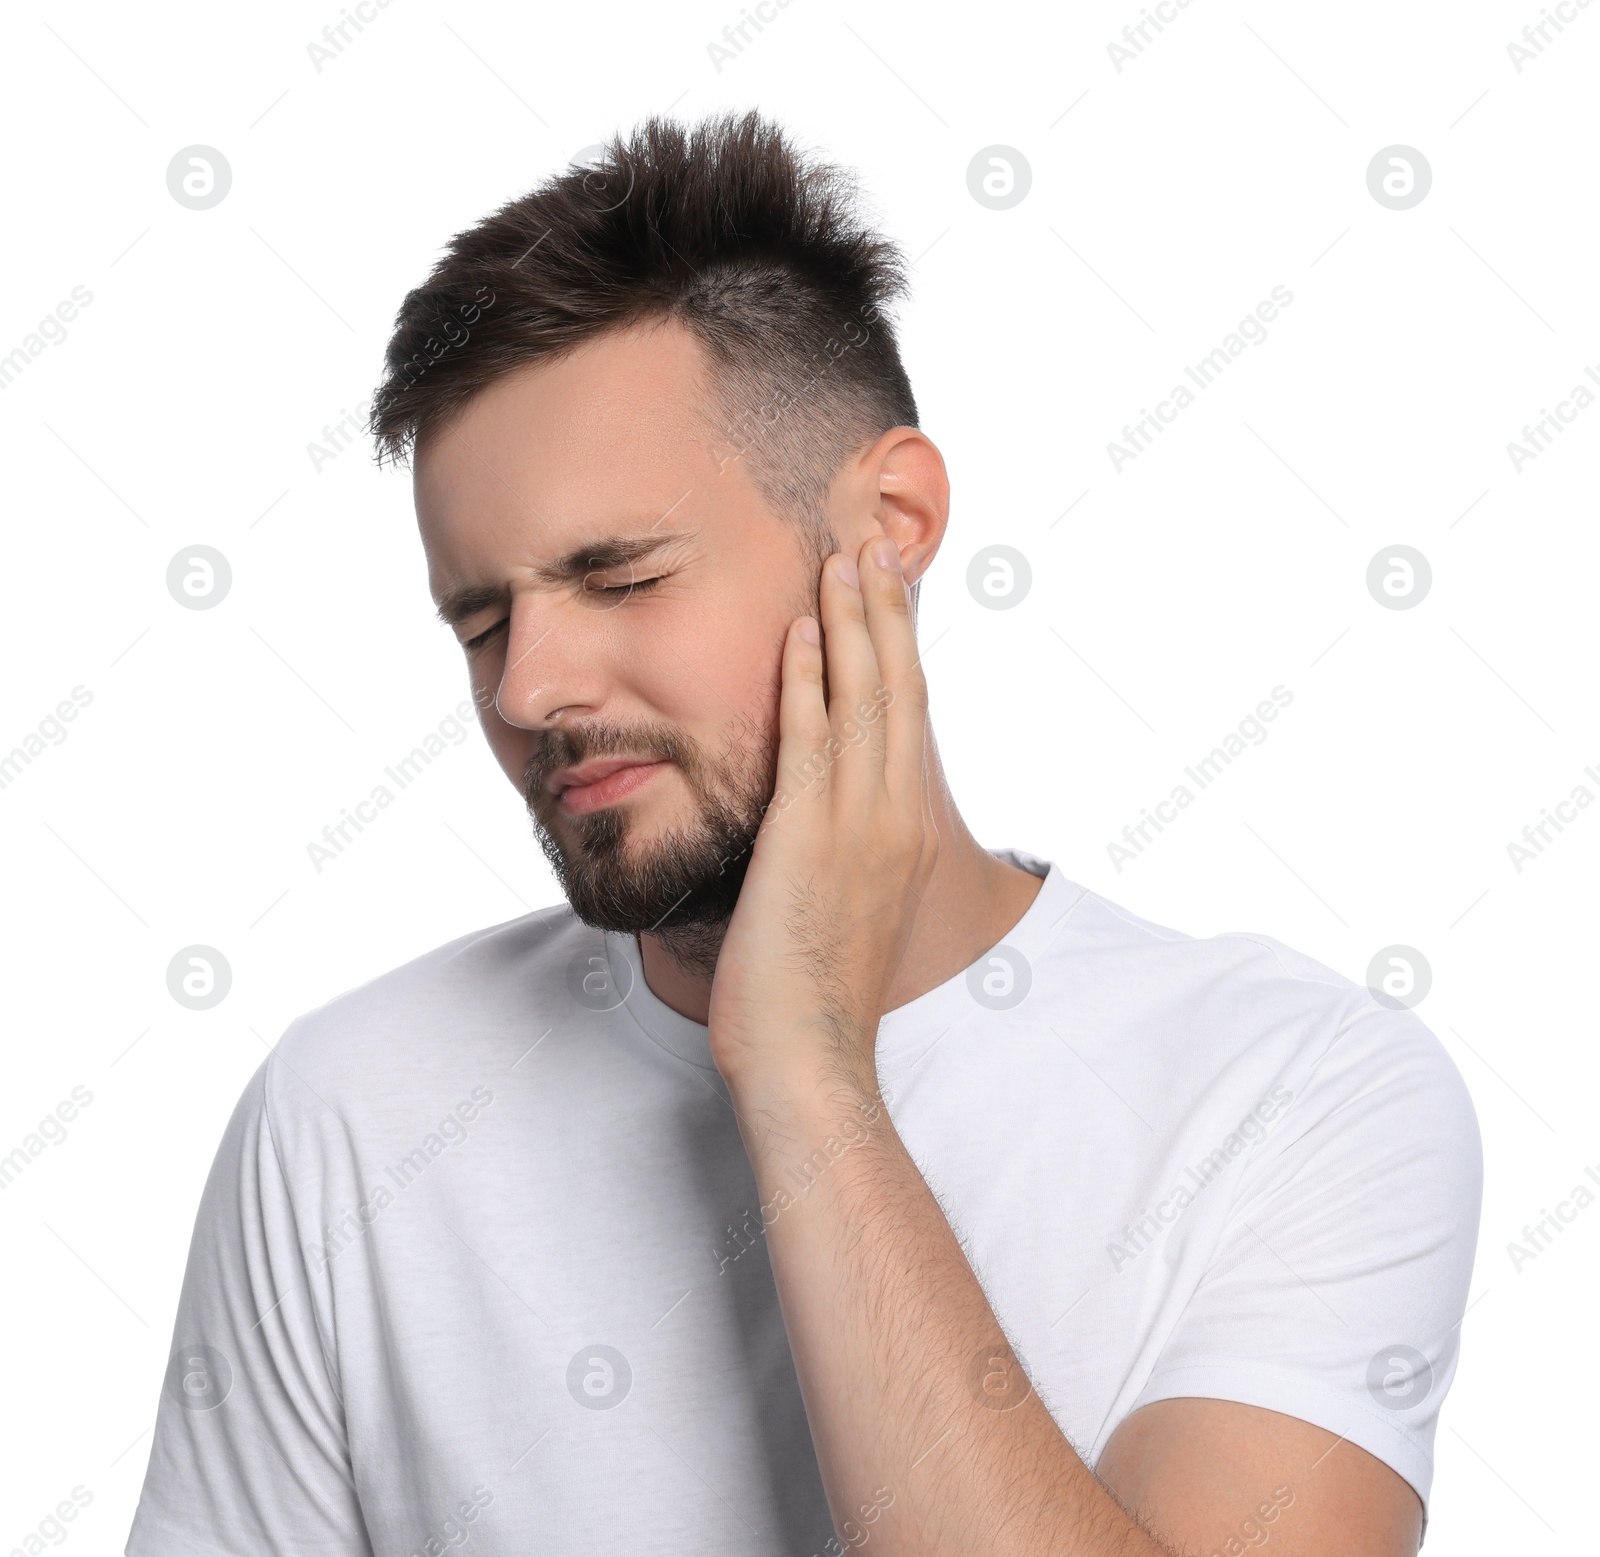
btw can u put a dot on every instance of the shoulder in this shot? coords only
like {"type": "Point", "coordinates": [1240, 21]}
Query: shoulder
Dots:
{"type": "Point", "coordinates": [1105, 929]}
{"type": "Point", "coordinates": [431, 1016]}
{"type": "Point", "coordinates": [1243, 1010]}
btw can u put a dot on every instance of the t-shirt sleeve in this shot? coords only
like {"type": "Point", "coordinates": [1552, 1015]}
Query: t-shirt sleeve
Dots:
{"type": "Point", "coordinates": [250, 1456]}
{"type": "Point", "coordinates": [1336, 1290]}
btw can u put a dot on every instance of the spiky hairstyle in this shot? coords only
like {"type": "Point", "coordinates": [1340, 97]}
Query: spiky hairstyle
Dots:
{"type": "Point", "coordinates": [723, 227]}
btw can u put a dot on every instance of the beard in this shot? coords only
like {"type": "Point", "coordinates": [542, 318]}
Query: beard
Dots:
{"type": "Point", "coordinates": [682, 886]}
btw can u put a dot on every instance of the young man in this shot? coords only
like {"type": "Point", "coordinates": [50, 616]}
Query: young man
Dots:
{"type": "Point", "coordinates": [817, 1178]}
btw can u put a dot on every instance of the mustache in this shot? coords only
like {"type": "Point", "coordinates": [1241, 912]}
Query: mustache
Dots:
{"type": "Point", "coordinates": [566, 747]}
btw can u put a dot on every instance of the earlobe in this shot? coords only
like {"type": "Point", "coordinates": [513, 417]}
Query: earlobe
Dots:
{"type": "Point", "coordinates": [916, 557]}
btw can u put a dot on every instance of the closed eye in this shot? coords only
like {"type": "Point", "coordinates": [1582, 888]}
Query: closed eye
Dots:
{"type": "Point", "coordinates": [638, 586]}
{"type": "Point", "coordinates": [616, 591]}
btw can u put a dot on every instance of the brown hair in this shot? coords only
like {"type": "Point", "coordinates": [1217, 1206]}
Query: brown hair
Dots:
{"type": "Point", "coordinates": [724, 228]}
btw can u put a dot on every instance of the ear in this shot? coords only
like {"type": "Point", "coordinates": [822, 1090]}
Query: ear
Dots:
{"type": "Point", "coordinates": [908, 495]}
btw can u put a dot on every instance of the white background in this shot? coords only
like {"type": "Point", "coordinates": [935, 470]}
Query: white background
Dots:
{"type": "Point", "coordinates": [1167, 200]}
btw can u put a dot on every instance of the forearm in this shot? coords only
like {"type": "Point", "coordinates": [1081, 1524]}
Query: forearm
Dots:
{"type": "Point", "coordinates": [928, 1435]}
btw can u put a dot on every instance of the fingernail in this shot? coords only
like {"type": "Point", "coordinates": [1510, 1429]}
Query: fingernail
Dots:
{"type": "Point", "coordinates": [847, 570]}
{"type": "Point", "coordinates": [886, 553]}
{"type": "Point", "coordinates": [808, 631]}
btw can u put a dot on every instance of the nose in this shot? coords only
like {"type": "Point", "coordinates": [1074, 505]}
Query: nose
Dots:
{"type": "Point", "coordinates": [554, 666]}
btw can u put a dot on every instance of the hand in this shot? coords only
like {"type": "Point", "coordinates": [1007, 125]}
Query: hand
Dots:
{"type": "Point", "coordinates": [846, 846]}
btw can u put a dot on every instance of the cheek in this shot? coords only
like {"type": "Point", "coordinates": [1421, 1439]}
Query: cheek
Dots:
{"type": "Point", "coordinates": [512, 747]}
{"type": "Point", "coordinates": [726, 674]}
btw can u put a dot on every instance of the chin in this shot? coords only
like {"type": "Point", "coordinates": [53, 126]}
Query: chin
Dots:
{"type": "Point", "coordinates": [619, 875]}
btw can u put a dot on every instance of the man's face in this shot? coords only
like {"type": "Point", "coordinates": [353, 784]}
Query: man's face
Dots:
{"type": "Point", "coordinates": [624, 642]}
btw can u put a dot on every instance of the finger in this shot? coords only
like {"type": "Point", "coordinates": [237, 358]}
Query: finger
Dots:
{"type": "Point", "coordinates": [803, 732]}
{"type": "Point", "coordinates": [852, 673]}
{"type": "Point", "coordinates": [901, 695]}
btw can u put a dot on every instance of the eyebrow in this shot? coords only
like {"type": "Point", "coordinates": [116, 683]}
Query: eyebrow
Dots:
{"type": "Point", "coordinates": [596, 556]}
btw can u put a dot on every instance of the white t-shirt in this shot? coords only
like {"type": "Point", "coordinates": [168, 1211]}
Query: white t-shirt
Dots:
{"type": "Point", "coordinates": [480, 1265]}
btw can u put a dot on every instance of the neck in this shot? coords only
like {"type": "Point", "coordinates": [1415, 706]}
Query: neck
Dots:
{"type": "Point", "coordinates": [971, 902]}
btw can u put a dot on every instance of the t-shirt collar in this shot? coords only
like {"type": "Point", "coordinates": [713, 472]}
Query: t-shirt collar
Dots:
{"type": "Point", "coordinates": [1040, 926]}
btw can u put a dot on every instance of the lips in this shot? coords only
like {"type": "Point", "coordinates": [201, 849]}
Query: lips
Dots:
{"type": "Point", "coordinates": [602, 782]}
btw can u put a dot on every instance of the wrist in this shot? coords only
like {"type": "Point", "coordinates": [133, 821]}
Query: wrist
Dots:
{"type": "Point", "coordinates": [794, 1061]}
{"type": "Point", "coordinates": [811, 1080]}
{"type": "Point", "coordinates": [796, 1108]}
